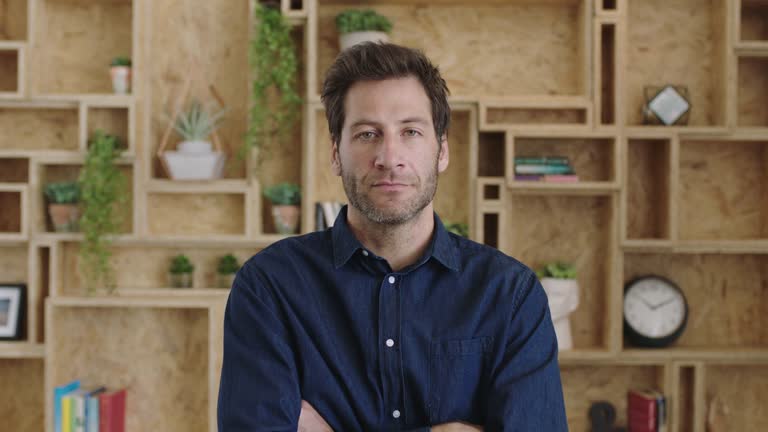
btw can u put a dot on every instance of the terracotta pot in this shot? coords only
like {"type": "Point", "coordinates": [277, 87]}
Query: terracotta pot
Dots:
{"type": "Point", "coordinates": [226, 280]}
{"type": "Point", "coordinates": [286, 218]}
{"type": "Point", "coordinates": [121, 79]}
{"type": "Point", "coordinates": [180, 280]}
{"type": "Point", "coordinates": [64, 217]}
{"type": "Point", "coordinates": [563, 297]}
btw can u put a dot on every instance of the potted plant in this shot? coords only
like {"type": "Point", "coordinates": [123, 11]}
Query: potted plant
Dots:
{"type": "Point", "coordinates": [120, 70]}
{"type": "Point", "coordinates": [275, 101]}
{"type": "Point", "coordinates": [181, 271]}
{"type": "Point", "coordinates": [458, 228]}
{"type": "Point", "coordinates": [562, 288]}
{"type": "Point", "coordinates": [194, 158]}
{"type": "Point", "coordinates": [356, 26]}
{"type": "Point", "coordinates": [103, 191]}
{"type": "Point", "coordinates": [226, 270]}
{"type": "Point", "coordinates": [285, 199]}
{"type": "Point", "coordinates": [63, 199]}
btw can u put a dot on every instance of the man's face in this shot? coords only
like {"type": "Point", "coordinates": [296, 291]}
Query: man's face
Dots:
{"type": "Point", "coordinates": [388, 156]}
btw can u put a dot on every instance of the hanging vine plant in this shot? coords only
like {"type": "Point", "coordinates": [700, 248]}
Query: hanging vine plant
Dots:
{"type": "Point", "coordinates": [103, 192]}
{"type": "Point", "coordinates": [275, 102]}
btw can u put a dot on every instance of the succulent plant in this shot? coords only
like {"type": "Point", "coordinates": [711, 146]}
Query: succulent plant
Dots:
{"type": "Point", "coordinates": [559, 270]}
{"type": "Point", "coordinates": [181, 264]}
{"type": "Point", "coordinates": [284, 194]}
{"type": "Point", "coordinates": [196, 123]}
{"type": "Point", "coordinates": [354, 20]}
{"type": "Point", "coordinates": [63, 192]}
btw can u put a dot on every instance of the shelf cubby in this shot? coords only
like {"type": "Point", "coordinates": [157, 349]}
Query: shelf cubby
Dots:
{"type": "Point", "coordinates": [753, 20]}
{"type": "Point", "coordinates": [22, 407]}
{"type": "Point", "coordinates": [36, 128]}
{"type": "Point", "coordinates": [735, 396]}
{"type": "Point", "coordinates": [691, 52]}
{"type": "Point", "coordinates": [725, 294]}
{"type": "Point", "coordinates": [586, 384]}
{"type": "Point", "coordinates": [648, 198]}
{"type": "Point", "coordinates": [11, 69]}
{"type": "Point", "coordinates": [13, 264]}
{"type": "Point", "coordinates": [555, 33]}
{"type": "Point", "coordinates": [724, 188]}
{"type": "Point", "coordinates": [113, 120]}
{"type": "Point", "coordinates": [14, 170]}
{"type": "Point", "coordinates": [606, 68]}
{"type": "Point", "coordinates": [575, 229]}
{"type": "Point", "coordinates": [492, 151]}
{"type": "Point", "coordinates": [81, 37]}
{"type": "Point", "coordinates": [13, 213]}
{"type": "Point", "coordinates": [752, 92]}
{"type": "Point", "coordinates": [215, 214]}
{"type": "Point", "coordinates": [14, 20]}
{"type": "Point", "coordinates": [536, 112]}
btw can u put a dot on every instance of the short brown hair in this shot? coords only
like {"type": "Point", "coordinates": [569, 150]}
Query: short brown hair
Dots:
{"type": "Point", "coordinates": [371, 61]}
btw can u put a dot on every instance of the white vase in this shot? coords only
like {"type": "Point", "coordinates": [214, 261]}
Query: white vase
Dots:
{"type": "Point", "coordinates": [197, 146]}
{"type": "Point", "coordinates": [347, 40]}
{"type": "Point", "coordinates": [563, 296]}
{"type": "Point", "coordinates": [195, 166]}
{"type": "Point", "coordinates": [121, 79]}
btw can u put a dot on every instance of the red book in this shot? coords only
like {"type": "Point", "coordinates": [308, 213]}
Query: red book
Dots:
{"type": "Point", "coordinates": [641, 411]}
{"type": "Point", "coordinates": [112, 411]}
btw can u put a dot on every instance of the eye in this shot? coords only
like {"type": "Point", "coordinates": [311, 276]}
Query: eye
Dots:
{"type": "Point", "coordinates": [366, 136]}
{"type": "Point", "coordinates": [412, 132]}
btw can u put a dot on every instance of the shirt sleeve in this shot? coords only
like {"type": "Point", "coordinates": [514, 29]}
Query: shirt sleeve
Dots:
{"type": "Point", "coordinates": [526, 391]}
{"type": "Point", "coordinates": [259, 388]}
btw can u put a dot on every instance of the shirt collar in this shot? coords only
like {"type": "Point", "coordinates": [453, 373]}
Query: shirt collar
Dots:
{"type": "Point", "coordinates": [442, 246]}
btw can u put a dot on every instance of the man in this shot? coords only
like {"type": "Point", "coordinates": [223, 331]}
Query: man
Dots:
{"type": "Point", "coordinates": [387, 321]}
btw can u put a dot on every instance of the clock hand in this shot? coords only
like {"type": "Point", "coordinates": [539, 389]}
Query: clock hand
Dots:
{"type": "Point", "coordinates": [665, 302]}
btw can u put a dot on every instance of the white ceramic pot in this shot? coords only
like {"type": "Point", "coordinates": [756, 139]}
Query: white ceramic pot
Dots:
{"type": "Point", "coordinates": [121, 79]}
{"type": "Point", "coordinates": [195, 147]}
{"type": "Point", "coordinates": [563, 296]}
{"type": "Point", "coordinates": [195, 166]}
{"type": "Point", "coordinates": [347, 40]}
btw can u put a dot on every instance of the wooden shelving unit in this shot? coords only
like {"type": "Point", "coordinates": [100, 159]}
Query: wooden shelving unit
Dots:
{"type": "Point", "coordinates": [688, 202]}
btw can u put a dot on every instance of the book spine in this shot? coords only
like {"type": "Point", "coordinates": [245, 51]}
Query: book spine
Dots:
{"type": "Point", "coordinates": [549, 160]}
{"type": "Point", "coordinates": [66, 414]}
{"type": "Point", "coordinates": [78, 413]}
{"type": "Point", "coordinates": [92, 414]}
{"type": "Point", "coordinates": [543, 169]}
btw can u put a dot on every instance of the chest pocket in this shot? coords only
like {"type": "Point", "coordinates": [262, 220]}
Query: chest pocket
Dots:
{"type": "Point", "coordinates": [458, 378]}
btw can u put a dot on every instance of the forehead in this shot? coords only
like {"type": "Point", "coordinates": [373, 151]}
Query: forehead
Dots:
{"type": "Point", "coordinates": [390, 99]}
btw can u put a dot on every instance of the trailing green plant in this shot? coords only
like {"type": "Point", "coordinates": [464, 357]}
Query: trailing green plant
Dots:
{"type": "Point", "coordinates": [196, 123]}
{"type": "Point", "coordinates": [103, 192]}
{"type": "Point", "coordinates": [559, 270]}
{"type": "Point", "coordinates": [62, 192]}
{"type": "Point", "coordinates": [121, 61]}
{"type": "Point", "coordinates": [284, 194]}
{"type": "Point", "coordinates": [355, 20]}
{"type": "Point", "coordinates": [228, 264]}
{"type": "Point", "coordinates": [181, 264]}
{"type": "Point", "coordinates": [458, 228]}
{"type": "Point", "coordinates": [275, 101]}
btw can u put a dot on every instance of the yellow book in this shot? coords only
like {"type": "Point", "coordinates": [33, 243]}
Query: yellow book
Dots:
{"type": "Point", "coordinates": [66, 414]}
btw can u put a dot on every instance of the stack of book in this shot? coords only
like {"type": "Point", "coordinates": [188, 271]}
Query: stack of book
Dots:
{"type": "Point", "coordinates": [646, 411]}
{"type": "Point", "coordinates": [79, 408]}
{"type": "Point", "coordinates": [325, 214]}
{"type": "Point", "coordinates": [554, 169]}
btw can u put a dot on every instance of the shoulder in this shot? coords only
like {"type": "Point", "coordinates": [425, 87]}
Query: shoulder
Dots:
{"type": "Point", "coordinates": [473, 254]}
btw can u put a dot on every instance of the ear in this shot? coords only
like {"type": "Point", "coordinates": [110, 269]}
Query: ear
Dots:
{"type": "Point", "coordinates": [335, 162]}
{"type": "Point", "coordinates": [442, 158]}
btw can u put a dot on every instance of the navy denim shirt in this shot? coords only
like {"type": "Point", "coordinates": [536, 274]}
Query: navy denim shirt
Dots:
{"type": "Point", "coordinates": [464, 334]}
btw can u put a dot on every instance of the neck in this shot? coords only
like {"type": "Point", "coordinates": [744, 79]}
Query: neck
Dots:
{"type": "Point", "coordinates": [401, 245]}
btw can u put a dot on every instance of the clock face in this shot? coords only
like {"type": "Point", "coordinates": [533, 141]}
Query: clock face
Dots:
{"type": "Point", "coordinates": [654, 308]}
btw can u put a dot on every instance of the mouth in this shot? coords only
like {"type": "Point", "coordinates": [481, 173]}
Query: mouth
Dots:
{"type": "Point", "coordinates": [389, 186]}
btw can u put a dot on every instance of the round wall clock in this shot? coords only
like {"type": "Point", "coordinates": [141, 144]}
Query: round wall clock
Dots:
{"type": "Point", "coordinates": [655, 311]}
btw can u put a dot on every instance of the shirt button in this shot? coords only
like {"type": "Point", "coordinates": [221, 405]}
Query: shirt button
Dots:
{"type": "Point", "coordinates": [396, 414]}
{"type": "Point", "coordinates": [391, 279]}
{"type": "Point", "coordinates": [390, 343]}
{"type": "Point", "coordinates": [365, 252]}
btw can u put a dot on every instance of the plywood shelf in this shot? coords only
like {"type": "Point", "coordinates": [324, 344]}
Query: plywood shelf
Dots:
{"type": "Point", "coordinates": [21, 350]}
{"type": "Point", "coordinates": [213, 186]}
{"type": "Point", "coordinates": [575, 189]}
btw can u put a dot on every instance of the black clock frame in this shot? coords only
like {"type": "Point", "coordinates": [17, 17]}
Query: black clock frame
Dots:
{"type": "Point", "coordinates": [644, 341]}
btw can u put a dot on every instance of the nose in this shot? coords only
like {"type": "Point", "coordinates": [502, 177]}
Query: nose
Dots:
{"type": "Point", "coordinates": [389, 153]}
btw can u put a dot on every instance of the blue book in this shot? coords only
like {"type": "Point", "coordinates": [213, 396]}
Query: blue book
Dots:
{"type": "Point", "coordinates": [92, 410]}
{"type": "Point", "coordinates": [58, 393]}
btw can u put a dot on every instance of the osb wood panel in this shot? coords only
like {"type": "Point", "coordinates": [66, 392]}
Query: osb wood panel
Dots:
{"type": "Point", "coordinates": [14, 170]}
{"type": "Point", "coordinates": [742, 391]}
{"type": "Point", "coordinates": [592, 159]}
{"type": "Point", "coordinates": [10, 215]}
{"type": "Point", "coordinates": [518, 116]}
{"type": "Point", "coordinates": [686, 55]}
{"type": "Point", "coordinates": [169, 214]}
{"type": "Point", "coordinates": [452, 198]}
{"type": "Point", "coordinates": [13, 264]}
{"type": "Point", "coordinates": [154, 263]}
{"type": "Point", "coordinates": [9, 71]}
{"type": "Point", "coordinates": [543, 229]}
{"type": "Point", "coordinates": [13, 19]}
{"type": "Point", "coordinates": [113, 121]}
{"type": "Point", "coordinates": [753, 92]}
{"type": "Point", "coordinates": [76, 41]}
{"type": "Point", "coordinates": [327, 186]}
{"type": "Point", "coordinates": [648, 189]}
{"type": "Point", "coordinates": [38, 129]}
{"type": "Point", "coordinates": [22, 404]}
{"type": "Point", "coordinates": [482, 49]}
{"type": "Point", "coordinates": [727, 296]}
{"type": "Point", "coordinates": [754, 22]}
{"type": "Point", "coordinates": [159, 355]}
{"type": "Point", "coordinates": [584, 385]}
{"type": "Point", "coordinates": [721, 186]}
{"type": "Point", "coordinates": [211, 39]}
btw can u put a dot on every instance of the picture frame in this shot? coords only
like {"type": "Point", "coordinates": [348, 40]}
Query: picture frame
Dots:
{"type": "Point", "coordinates": [13, 303]}
{"type": "Point", "coordinates": [666, 105]}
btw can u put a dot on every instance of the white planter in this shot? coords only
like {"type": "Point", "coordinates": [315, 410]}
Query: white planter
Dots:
{"type": "Point", "coordinates": [347, 40]}
{"type": "Point", "coordinates": [195, 147]}
{"type": "Point", "coordinates": [121, 79]}
{"type": "Point", "coordinates": [563, 295]}
{"type": "Point", "coordinates": [195, 166]}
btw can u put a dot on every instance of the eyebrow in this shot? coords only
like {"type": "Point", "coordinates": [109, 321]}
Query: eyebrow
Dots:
{"type": "Point", "coordinates": [362, 122]}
